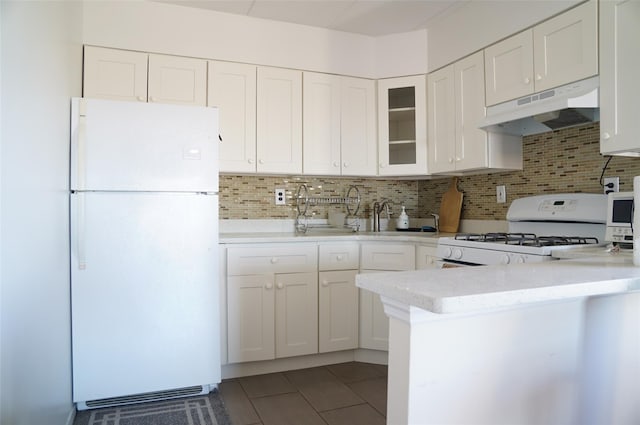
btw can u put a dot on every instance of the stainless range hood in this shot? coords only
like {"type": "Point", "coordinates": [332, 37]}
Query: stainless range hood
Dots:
{"type": "Point", "coordinates": [561, 107]}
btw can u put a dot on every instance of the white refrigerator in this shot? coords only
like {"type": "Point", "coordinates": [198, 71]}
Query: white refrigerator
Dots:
{"type": "Point", "coordinates": [144, 251]}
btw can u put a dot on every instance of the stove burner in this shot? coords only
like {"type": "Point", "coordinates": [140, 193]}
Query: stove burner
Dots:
{"type": "Point", "coordinates": [526, 239]}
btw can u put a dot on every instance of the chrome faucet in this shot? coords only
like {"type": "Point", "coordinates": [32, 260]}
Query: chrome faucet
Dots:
{"type": "Point", "coordinates": [377, 210]}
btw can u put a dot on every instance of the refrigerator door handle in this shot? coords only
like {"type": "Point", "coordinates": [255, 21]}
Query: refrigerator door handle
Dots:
{"type": "Point", "coordinates": [82, 135]}
{"type": "Point", "coordinates": [80, 231]}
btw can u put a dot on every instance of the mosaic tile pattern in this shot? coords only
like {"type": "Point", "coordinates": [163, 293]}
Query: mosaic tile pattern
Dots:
{"type": "Point", "coordinates": [252, 197]}
{"type": "Point", "coordinates": [566, 160]}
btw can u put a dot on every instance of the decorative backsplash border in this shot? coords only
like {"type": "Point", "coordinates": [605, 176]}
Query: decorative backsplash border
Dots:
{"type": "Point", "coordinates": [565, 160]}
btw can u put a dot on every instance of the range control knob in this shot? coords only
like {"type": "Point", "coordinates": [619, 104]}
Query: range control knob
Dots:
{"type": "Point", "coordinates": [505, 259]}
{"type": "Point", "coordinates": [457, 253]}
{"type": "Point", "coordinates": [521, 260]}
{"type": "Point", "coordinates": [447, 253]}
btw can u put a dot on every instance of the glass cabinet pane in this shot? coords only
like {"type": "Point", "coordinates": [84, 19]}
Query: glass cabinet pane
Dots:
{"type": "Point", "coordinates": [402, 126]}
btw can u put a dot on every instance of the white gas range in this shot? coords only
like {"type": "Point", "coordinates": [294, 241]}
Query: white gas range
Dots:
{"type": "Point", "coordinates": [537, 225]}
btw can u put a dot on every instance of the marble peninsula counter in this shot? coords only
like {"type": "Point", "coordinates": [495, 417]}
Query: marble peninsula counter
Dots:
{"type": "Point", "coordinates": [547, 343]}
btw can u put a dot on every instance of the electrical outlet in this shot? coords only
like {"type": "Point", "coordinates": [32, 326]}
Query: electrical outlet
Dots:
{"type": "Point", "coordinates": [611, 184]}
{"type": "Point", "coordinates": [501, 194]}
{"type": "Point", "coordinates": [280, 196]}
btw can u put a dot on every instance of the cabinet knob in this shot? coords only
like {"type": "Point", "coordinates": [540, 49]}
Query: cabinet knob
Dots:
{"type": "Point", "coordinates": [538, 77]}
{"type": "Point", "coordinates": [141, 99]}
{"type": "Point", "coordinates": [345, 165]}
{"type": "Point", "coordinates": [260, 161]}
{"type": "Point", "coordinates": [336, 164]}
{"type": "Point", "coordinates": [450, 160]}
{"type": "Point", "coordinates": [152, 99]}
{"type": "Point", "coordinates": [382, 165]}
{"type": "Point", "coordinates": [280, 285]}
{"type": "Point", "coordinates": [274, 260]}
{"type": "Point", "coordinates": [457, 159]}
{"type": "Point", "coordinates": [526, 80]}
{"type": "Point", "coordinates": [251, 161]}
{"type": "Point", "coordinates": [338, 257]}
{"type": "Point", "coordinates": [269, 285]}
{"type": "Point", "coordinates": [325, 283]}
{"type": "Point", "coordinates": [606, 136]}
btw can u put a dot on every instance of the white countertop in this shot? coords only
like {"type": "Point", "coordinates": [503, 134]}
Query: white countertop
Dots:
{"type": "Point", "coordinates": [428, 238]}
{"type": "Point", "coordinates": [469, 289]}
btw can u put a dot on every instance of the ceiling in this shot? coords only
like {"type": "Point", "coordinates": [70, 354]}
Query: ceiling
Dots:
{"type": "Point", "coordinates": [367, 17]}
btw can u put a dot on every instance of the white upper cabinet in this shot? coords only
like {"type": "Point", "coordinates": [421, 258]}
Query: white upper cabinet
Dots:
{"type": "Point", "coordinates": [279, 121]}
{"type": "Point", "coordinates": [115, 74]}
{"type": "Point", "coordinates": [565, 48]}
{"type": "Point", "coordinates": [339, 125]}
{"type": "Point", "coordinates": [358, 127]}
{"type": "Point", "coordinates": [509, 68]}
{"type": "Point", "coordinates": [178, 80]}
{"type": "Point", "coordinates": [555, 52]}
{"type": "Point", "coordinates": [321, 117]}
{"type": "Point", "coordinates": [232, 89]}
{"type": "Point", "coordinates": [619, 85]}
{"type": "Point", "coordinates": [456, 106]}
{"type": "Point", "coordinates": [125, 75]}
{"type": "Point", "coordinates": [402, 129]}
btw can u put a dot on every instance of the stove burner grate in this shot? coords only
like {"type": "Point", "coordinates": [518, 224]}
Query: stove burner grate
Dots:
{"type": "Point", "coordinates": [526, 239]}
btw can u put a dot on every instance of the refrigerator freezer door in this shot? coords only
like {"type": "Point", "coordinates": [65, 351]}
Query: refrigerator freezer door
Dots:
{"type": "Point", "coordinates": [137, 146]}
{"type": "Point", "coordinates": [144, 292]}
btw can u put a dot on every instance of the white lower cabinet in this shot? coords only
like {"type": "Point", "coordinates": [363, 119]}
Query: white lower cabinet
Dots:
{"type": "Point", "coordinates": [377, 258]}
{"type": "Point", "coordinates": [338, 315]}
{"type": "Point", "coordinates": [426, 257]}
{"type": "Point", "coordinates": [272, 301]}
{"type": "Point", "coordinates": [338, 297]}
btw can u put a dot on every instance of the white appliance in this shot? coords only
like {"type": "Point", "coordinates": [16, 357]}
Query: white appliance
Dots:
{"type": "Point", "coordinates": [567, 221]}
{"type": "Point", "coordinates": [620, 218]}
{"type": "Point", "coordinates": [144, 251]}
{"type": "Point", "coordinates": [565, 106]}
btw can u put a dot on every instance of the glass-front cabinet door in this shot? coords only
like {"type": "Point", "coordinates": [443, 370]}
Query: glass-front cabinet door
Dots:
{"type": "Point", "coordinates": [402, 116]}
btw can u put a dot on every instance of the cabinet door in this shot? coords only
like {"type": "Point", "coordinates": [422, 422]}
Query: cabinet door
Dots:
{"type": "Point", "coordinates": [374, 323]}
{"type": "Point", "coordinates": [321, 118]}
{"type": "Point", "coordinates": [251, 318]}
{"type": "Point", "coordinates": [296, 314]}
{"type": "Point", "coordinates": [115, 74]}
{"type": "Point", "coordinates": [232, 89]}
{"type": "Point", "coordinates": [402, 129]}
{"type": "Point", "coordinates": [179, 80]}
{"type": "Point", "coordinates": [441, 120]}
{"type": "Point", "coordinates": [338, 311]}
{"type": "Point", "coordinates": [619, 84]}
{"type": "Point", "coordinates": [426, 257]}
{"type": "Point", "coordinates": [471, 142]}
{"type": "Point", "coordinates": [279, 125]}
{"type": "Point", "coordinates": [358, 127]}
{"type": "Point", "coordinates": [566, 47]}
{"type": "Point", "coordinates": [509, 68]}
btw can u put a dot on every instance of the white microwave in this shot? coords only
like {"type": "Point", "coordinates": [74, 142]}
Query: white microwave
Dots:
{"type": "Point", "coordinates": [619, 217]}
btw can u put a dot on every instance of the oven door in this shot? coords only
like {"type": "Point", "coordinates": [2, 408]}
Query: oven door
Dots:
{"type": "Point", "coordinates": [448, 264]}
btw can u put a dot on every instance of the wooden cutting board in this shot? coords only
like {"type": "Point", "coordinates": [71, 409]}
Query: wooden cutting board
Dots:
{"type": "Point", "coordinates": [450, 208]}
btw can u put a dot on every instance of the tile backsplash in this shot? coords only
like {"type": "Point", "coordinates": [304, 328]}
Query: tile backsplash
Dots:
{"type": "Point", "coordinates": [566, 160]}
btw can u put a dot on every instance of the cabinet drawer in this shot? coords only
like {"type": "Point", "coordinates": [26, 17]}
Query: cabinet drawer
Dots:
{"type": "Point", "coordinates": [291, 258]}
{"type": "Point", "coordinates": [340, 256]}
{"type": "Point", "coordinates": [387, 256]}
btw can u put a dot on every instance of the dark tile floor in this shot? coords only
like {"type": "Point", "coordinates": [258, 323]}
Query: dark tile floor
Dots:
{"type": "Point", "coordinates": [342, 394]}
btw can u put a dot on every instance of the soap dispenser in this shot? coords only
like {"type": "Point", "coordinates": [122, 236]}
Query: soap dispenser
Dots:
{"type": "Point", "coordinates": [403, 220]}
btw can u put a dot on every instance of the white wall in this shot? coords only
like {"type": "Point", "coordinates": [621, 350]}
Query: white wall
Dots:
{"type": "Point", "coordinates": [477, 24]}
{"type": "Point", "coordinates": [40, 70]}
{"type": "Point", "coordinates": [166, 28]}
{"type": "Point", "coordinates": [401, 54]}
